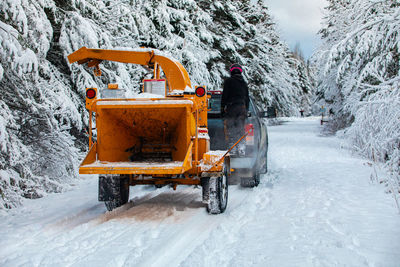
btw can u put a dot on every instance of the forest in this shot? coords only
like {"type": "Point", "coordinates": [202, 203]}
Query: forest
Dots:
{"type": "Point", "coordinates": [359, 79]}
{"type": "Point", "coordinates": [43, 121]}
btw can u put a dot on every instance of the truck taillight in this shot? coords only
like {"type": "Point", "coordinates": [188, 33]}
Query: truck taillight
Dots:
{"type": "Point", "coordinates": [249, 128]}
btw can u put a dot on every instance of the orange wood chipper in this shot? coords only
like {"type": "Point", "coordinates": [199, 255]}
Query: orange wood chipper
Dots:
{"type": "Point", "coordinates": [155, 141]}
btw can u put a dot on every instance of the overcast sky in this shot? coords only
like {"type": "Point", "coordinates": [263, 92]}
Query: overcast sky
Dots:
{"type": "Point", "coordinates": [298, 21]}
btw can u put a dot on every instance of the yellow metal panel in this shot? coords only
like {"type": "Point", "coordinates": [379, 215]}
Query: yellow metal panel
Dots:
{"type": "Point", "coordinates": [213, 161]}
{"type": "Point", "coordinates": [112, 86]}
{"type": "Point", "coordinates": [127, 127]}
{"type": "Point", "coordinates": [145, 168]}
{"type": "Point", "coordinates": [202, 103]}
{"type": "Point", "coordinates": [175, 73]}
{"type": "Point", "coordinates": [187, 163]}
{"type": "Point", "coordinates": [204, 147]}
{"type": "Point", "coordinates": [91, 156]}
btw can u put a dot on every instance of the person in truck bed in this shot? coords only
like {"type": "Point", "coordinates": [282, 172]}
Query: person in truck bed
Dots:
{"type": "Point", "coordinates": [234, 106]}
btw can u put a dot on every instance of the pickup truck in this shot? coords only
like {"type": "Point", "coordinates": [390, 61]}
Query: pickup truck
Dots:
{"type": "Point", "coordinates": [247, 168]}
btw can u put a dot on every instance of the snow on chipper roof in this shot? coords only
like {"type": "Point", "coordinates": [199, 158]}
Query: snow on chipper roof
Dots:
{"type": "Point", "coordinates": [151, 140]}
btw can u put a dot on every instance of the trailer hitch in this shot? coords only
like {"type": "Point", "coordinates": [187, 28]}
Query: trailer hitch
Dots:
{"type": "Point", "coordinates": [229, 150]}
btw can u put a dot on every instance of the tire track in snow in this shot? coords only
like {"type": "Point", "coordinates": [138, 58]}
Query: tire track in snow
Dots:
{"type": "Point", "coordinates": [220, 247]}
{"type": "Point", "coordinates": [134, 219]}
{"type": "Point", "coordinates": [81, 236]}
{"type": "Point", "coordinates": [191, 234]}
{"type": "Point", "coordinates": [315, 208]}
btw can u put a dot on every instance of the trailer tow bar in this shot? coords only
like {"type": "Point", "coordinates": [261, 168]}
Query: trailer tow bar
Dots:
{"type": "Point", "coordinates": [229, 150]}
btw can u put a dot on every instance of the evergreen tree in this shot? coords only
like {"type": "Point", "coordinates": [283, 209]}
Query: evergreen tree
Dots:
{"type": "Point", "coordinates": [42, 116]}
{"type": "Point", "coordinates": [360, 76]}
{"type": "Point", "coordinates": [38, 115]}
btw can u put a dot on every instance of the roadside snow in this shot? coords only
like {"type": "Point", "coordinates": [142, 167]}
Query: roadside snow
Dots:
{"type": "Point", "coordinates": [316, 207]}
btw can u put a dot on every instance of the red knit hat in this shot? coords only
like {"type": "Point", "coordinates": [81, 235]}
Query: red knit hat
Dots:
{"type": "Point", "coordinates": [236, 67]}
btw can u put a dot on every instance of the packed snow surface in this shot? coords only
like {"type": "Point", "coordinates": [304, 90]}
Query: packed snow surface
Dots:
{"type": "Point", "coordinates": [316, 207]}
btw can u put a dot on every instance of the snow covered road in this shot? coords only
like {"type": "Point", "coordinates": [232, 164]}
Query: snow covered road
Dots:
{"type": "Point", "coordinates": [316, 207]}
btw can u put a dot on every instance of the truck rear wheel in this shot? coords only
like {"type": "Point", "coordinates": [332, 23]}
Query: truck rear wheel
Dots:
{"type": "Point", "coordinates": [218, 192]}
{"type": "Point", "coordinates": [250, 181]}
{"type": "Point", "coordinates": [113, 190]}
{"type": "Point", "coordinates": [257, 178]}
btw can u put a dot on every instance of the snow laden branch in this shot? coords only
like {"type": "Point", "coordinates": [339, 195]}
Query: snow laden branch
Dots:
{"type": "Point", "coordinates": [361, 77]}
{"type": "Point", "coordinates": [42, 114]}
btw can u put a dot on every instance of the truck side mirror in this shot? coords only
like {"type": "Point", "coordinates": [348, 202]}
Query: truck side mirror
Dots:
{"type": "Point", "coordinates": [271, 112]}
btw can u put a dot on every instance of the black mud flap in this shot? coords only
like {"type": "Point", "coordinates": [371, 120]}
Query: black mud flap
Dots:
{"type": "Point", "coordinates": [109, 187]}
{"type": "Point", "coordinates": [248, 182]}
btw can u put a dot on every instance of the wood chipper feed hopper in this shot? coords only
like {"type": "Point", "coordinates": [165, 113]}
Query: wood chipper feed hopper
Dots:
{"type": "Point", "coordinates": [152, 140]}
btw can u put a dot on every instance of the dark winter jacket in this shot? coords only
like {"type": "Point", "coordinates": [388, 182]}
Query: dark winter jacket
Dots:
{"type": "Point", "coordinates": [235, 92]}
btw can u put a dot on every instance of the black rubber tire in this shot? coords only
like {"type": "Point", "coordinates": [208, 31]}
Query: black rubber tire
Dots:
{"type": "Point", "coordinates": [205, 185]}
{"type": "Point", "coordinates": [213, 201]}
{"type": "Point", "coordinates": [124, 187]}
{"type": "Point", "coordinates": [222, 190]}
{"type": "Point", "coordinates": [257, 179]}
{"type": "Point", "coordinates": [121, 193]}
{"type": "Point", "coordinates": [111, 205]}
{"type": "Point", "coordinates": [250, 181]}
{"type": "Point", "coordinates": [218, 191]}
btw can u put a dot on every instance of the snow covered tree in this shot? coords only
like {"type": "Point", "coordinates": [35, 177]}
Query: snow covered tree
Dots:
{"type": "Point", "coordinates": [42, 116]}
{"type": "Point", "coordinates": [245, 34]}
{"type": "Point", "coordinates": [38, 113]}
{"type": "Point", "coordinates": [303, 81]}
{"type": "Point", "coordinates": [270, 74]}
{"type": "Point", "coordinates": [360, 77]}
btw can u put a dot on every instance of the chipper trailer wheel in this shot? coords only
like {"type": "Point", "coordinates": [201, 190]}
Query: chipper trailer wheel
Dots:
{"type": "Point", "coordinates": [113, 190]}
{"type": "Point", "coordinates": [218, 192]}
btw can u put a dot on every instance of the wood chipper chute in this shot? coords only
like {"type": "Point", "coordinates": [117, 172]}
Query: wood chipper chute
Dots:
{"type": "Point", "coordinates": [157, 141]}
